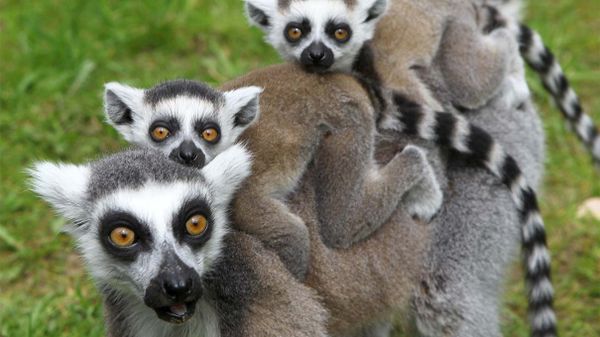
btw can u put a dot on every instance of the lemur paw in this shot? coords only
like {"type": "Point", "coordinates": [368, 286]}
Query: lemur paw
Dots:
{"type": "Point", "coordinates": [424, 200]}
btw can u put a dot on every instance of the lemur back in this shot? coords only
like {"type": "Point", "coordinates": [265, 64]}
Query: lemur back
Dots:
{"type": "Point", "coordinates": [372, 192]}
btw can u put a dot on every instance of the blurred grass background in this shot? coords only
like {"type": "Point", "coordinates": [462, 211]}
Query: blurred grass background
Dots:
{"type": "Point", "coordinates": [56, 55]}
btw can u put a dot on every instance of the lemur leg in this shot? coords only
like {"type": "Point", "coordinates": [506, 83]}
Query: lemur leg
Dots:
{"type": "Point", "coordinates": [474, 64]}
{"type": "Point", "coordinates": [353, 205]}
{"type": "Point", "coordinates": [459, 294]}
{"type": "Point", "coordinates": [276, 226]}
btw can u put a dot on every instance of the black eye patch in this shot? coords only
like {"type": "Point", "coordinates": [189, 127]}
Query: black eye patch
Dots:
{"type": "Point", "coordinates": [304, 27]}
{"type": "Point", "coordinates": [191, 208]}
{"type": "Point", "coordinates": [201, 125]}
{"type": "Point", "coordinates": [117, 219]}
{"type": "Point", "coordinates": [331, 27]}
{"type": "Point", "coordinates": [171, 124]}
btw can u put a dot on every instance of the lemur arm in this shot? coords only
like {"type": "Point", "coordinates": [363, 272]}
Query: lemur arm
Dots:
{"type": "Point", "coordinates": [269, 219]}
{"type": "Point", "coordinates": [355, 198]}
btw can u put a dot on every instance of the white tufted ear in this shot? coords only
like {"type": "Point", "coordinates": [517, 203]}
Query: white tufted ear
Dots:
{"type": "Point", "coordinates": [261, 12]}
{"type": "Point", "coordinates": [64, 187]}
{"type": "Point", "coordinates": [121, 102]}
{"type": "Point", "coordinates": [227, 171]}
{"type": "Point", "coordinates": [243, 104]}
{"type": "Point", "coordinates": [374, 9]}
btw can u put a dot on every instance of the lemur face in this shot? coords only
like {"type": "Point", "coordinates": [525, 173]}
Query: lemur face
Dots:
{"type": "Point", "coordinates": [321, 35]}
{"type": "Point", "coordinates": [188, 121]}
{"type": "Point", "coordinates": [149, 229]}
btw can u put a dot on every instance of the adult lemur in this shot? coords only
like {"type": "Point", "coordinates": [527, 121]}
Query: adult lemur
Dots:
{"type": "Point", "coordinates": [334, 36]}
{"type": "Point", "coordinates": [156, 239]}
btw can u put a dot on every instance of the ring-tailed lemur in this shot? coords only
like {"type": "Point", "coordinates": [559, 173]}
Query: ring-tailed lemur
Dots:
{"type": "Point", "coordinates": [156, 239]}
{"type": "Point", "coordinates": [334, 36]}
{"type": "Point", "coordinates": [187, 120]}
{"type": "Point", "coordinates": [372, 192]}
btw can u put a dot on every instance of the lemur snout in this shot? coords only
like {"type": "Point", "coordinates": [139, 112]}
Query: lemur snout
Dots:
{"type": "Point", "coordinates": [176, 287]}
{"type": "Point", "coordinates": [173, 293]}
{"type": "Point", "coordinates": [317, 57]}
{"type": "Point", "coordinates": [188, 154]}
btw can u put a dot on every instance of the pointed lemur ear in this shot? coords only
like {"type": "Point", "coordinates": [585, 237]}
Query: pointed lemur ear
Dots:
{"type": "Point", "coordinates": [64, 187]}
{"type": "Point", "coordinates": [243, 104]}
{"type": "Point", "coordinates": [260, 12]}
{"type": "Point", "coordinates": [120, 102]}
{"type": "Point", "coordinates": [376, 10]}
{"type": "Point", "coordinates": [226, 172]}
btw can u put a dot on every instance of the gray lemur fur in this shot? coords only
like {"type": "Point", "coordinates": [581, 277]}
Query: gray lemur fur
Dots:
{"type": "Point", "coordinates": [371, 192]}
{"type": "Point", "coordinates": [471, 251]}
{"type": "Point", "coordinates": [236, 287]}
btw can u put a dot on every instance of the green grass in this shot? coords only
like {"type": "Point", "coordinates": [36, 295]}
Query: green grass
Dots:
{"type": "Point", "coordinates": [55, 56]}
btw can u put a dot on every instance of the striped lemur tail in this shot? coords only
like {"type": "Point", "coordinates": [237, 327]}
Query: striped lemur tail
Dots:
{"type": "Point", "coordinates": [456, 133]}
{"type": "Point", "coordinates": [543, 62]}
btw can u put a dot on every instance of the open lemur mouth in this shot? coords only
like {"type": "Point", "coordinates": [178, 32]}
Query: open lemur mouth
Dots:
{"type": "Point", "coordinates": [176, 313]}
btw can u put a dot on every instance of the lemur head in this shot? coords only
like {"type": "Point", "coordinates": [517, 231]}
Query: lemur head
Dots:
{"type": "Point", "coordinates": [187, 120]}
{"type": "Point", "coordinates": [148, 228]}
{"type": "Point", "coordinates": [321, 35]}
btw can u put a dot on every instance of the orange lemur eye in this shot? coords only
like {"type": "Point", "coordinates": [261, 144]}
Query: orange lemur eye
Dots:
{"type": "Point", "coordinates": [122, 237]}
{"type": "Point", "coordinates": [341, 34]}
{"type": "Point", "coordinates": [160, 133]}
{"type": "Point", "coordinates": [210, 135]}
{"type": "Point", "coordinates": [196, 225]}
{"type": "Point", "coordinates": [294, 33]}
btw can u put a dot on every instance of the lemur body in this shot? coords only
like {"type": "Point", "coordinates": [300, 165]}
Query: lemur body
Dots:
{"type": "Point", "coordinates": [155, 237]}
{"type": "Point", "coordinates": [372, 193]}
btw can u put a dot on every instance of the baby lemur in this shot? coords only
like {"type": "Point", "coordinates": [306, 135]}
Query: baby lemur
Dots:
{"type": "Point", "coordinates": [182, 116]}
{"type": "Point", "coordinates": [155, 237]}
{"type": "Point", "coordinates": [334, 36]}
